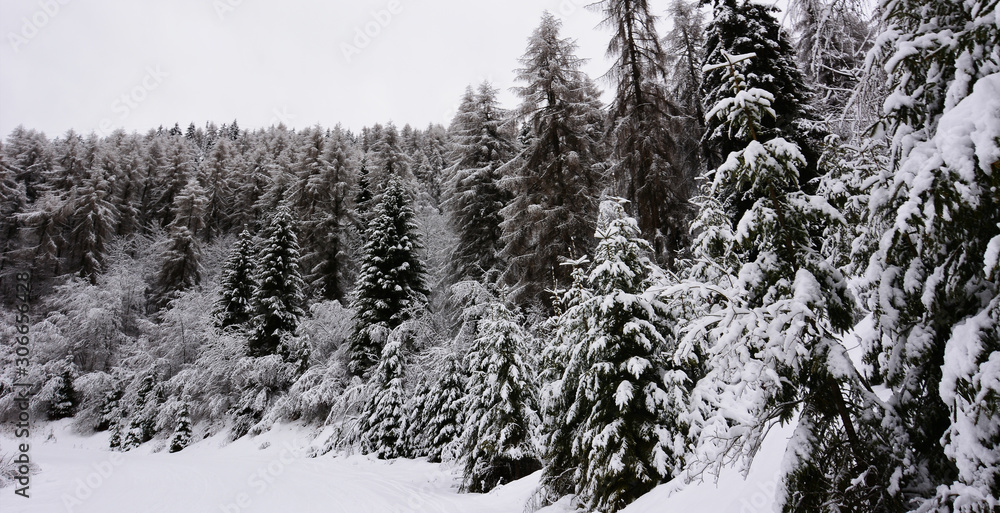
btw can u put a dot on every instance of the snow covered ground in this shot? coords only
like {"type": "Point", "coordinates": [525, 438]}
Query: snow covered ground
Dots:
{"type": "Point", "coordinates": [273, 473]}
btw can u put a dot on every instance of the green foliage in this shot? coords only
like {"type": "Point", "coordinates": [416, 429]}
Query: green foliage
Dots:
{"type": "Point", "coordinates": [383, 428]}
{"type": "Point", "coordinates": [613, 422]}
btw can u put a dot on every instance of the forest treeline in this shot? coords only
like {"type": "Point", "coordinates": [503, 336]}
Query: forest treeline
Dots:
{"type": "Point", "coordinates": [764, 225]}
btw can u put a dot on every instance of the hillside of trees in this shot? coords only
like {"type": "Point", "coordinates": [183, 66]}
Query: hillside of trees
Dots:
{"type": "Point", "coordinates": [614, 294]}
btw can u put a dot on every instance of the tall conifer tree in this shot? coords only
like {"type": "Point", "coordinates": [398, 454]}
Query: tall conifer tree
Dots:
{"type": "Point", "coordinates": [654, 160]}
{"type": "Point", "coordinates": [501, 413]}
{"type": "Point", "coordinates": [933, 282]}
{"type": "Point", "coordinates": [556, 179]}
{"type": "Point", "coordinates": [391, 282]}
{"type": "Point", "coordinates": [278, 299]}
{"type": "Point", "coordinates": [484, 141]}
{"type": "Point", "coordinates": [234, 307]}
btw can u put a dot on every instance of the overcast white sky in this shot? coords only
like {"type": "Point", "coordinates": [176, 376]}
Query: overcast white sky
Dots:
{"type": "Point", "coordinates": [92, 65]}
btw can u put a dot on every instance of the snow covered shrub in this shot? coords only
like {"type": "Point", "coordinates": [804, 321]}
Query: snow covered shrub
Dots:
{"type": "Point", "coordinates": [327, 327]}
{"type": "Point", "coordinates": [211, 381]}
{"type": "Point", "coordinates": [184, 327]}
{"type": "Point", "coordinates": [90, 317]}
{"type": "Point", "coordinates": [314, 394]}
{"type": "Point", "coordinates": [260, 381]}
{"type": "Point", "coordinates": [91, 389]}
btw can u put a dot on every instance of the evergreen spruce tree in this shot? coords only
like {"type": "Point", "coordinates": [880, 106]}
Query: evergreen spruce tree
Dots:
{"type": "Point", "coordinates": [740, 27]}
{"type": "Point", "coordinates": [383, 429]}
{"type": "Point", "coordinates": [415, 409]}
{"type": "Point", "coordinates": [391, 281]}
{"type": "Point", "coordinates": [115, 439]}
{"type": "Point", "coordinates": [111, 408]}
{"type": "Point", "coordinates": [771, 332]}
{"type": "Point", "coordinates": [64, 399]}
{"type": "Point", "coordinates": [556, 179]}
{"type": "Point", "coordinates": [182, 433]}
{"type": "Point", "coordinates": [277, 301]}
{"type": "Point", "coordinates": [484, 141]}
{"type": "Point", "coordinates": [320, 195]}
{"type": "Point", "coordinates": [443, 419]}
{"type": "Point", "coordinates": [933, 283]}
{"type": "Point", "coordinates": [91, 225]}
{"type": "Point", "coordinates": [234, 307]}
{"type": "Point", "coordinates": [500, 414]}
{"type": "Point", "coordinates": [141, 421]}
{"type": "Point", "coordinates": [621, 394]}
{"type": "Point", "coordinates": [181, 267]}
{"type": "Point", "coordinates": [654, 158]}
{"type": "Point", "coordinates": [558, 390]}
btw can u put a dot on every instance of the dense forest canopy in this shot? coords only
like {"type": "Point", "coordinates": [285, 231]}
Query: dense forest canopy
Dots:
{"type": "Point", "coordinates": [616, 294]}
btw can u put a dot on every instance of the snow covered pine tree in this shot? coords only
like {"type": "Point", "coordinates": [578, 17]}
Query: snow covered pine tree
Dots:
{"type": "Point", "coordinates": [234, 305]}
{"type": "Point", "coordinates": [391, 282]}
{"type": "Point", "coordinates": [277, 300]}
{"type": "Point", "coordinates": [771, 334]}
{"type": "Point", "coordinates": [500, 413]}
{"type": "Point", "coordinates": [619, 399]}
{"type": "Point", "coordinates": [934, 280]}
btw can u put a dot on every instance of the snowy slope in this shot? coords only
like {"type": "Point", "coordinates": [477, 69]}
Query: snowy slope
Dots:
{"type": "Point", "coordinates": [273, 472]}
{"type": "Point", "coordinates": [78, 475]}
